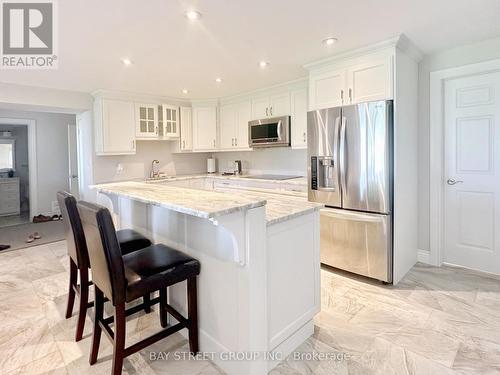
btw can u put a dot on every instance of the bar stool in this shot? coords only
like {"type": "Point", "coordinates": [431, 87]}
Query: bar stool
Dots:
{"type": "Point", "coordinates": [129, 240]}
{"type": "Point", "coordinates": [124, 279]}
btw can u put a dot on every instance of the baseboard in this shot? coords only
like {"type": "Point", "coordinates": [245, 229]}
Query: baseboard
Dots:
{"type": "Point", "coordinates": [423, 256]}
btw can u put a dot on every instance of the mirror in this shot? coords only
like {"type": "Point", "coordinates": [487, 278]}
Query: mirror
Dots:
{"type": "Point", "coordinates": [7, 154]}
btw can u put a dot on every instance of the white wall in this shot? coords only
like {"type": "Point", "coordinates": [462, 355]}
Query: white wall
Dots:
{"type": "Point", "coordinates": [138, 166]}
{"type": "Point", "coordinates": [469, 54]}
{"type": "Point", "coordinates": [267, 160]}
{"type": "Point", "coordinates": [52, 153]}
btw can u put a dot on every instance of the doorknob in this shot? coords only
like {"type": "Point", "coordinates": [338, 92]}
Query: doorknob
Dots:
{"type": "Point", "coordinates": [452, 181]}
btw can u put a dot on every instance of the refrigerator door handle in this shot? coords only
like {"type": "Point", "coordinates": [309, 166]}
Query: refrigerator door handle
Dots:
{"type": "Point", "coordinates": [342, 166]}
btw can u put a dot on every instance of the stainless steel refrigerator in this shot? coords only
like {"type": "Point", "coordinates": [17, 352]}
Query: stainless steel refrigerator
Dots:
{"type": "Point", "coordinates": [350, 171]}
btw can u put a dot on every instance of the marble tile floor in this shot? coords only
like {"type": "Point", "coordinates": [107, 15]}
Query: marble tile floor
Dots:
{"type": "Point", "coordinates": [436, 321]}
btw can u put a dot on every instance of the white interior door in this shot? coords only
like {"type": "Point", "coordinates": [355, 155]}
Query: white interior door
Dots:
{"type": "Point", "coordinates": [472, 172]}
{"type": "Point", "coordinates": [73, 160]}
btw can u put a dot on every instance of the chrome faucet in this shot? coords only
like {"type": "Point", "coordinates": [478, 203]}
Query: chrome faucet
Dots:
{"type": "Point", "coordinates": [154, 174]}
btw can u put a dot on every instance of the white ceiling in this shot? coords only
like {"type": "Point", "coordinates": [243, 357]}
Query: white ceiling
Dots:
{"type": "Point", "coordinates": [171, 53]}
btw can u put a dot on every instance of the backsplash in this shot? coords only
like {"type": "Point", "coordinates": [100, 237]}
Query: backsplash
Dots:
{"type": "Point", "coordinates": [278, 160]}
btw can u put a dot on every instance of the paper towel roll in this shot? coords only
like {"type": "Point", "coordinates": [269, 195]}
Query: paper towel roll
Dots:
{"type": "Point", "coordinates": [211, 165]}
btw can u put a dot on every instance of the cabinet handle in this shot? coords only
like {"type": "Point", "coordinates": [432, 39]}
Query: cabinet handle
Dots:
{"type": "Point", "coordinates": [271, 111]}
{"type": "Point", "coordinates": [133, 144]}
{"type": "Point", "coordinates": [183, 145]}
{"type": "Point", "coordinates": [157, 131]}
{"type": "Point", "coordinates": [267, 111]}
{"type": "Point", "coordinates": [236, 141]}
{"type": "Point", "coordinates": [342, 96]}
{"type": "Point", "coordinates": [350, 95]}
{"type": "Point", "coordinates": [304, 136]}
{"type": "Point", "coordinates": [214, 143]}
{"type": "Point", "coordinates": [232, 141]}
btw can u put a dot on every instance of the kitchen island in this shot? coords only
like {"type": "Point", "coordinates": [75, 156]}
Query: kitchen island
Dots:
{"type": "Point", "coordinates": [259, 286]}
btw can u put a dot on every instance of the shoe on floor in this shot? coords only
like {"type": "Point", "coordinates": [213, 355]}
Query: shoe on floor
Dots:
{"type": "Point", "coordinates": [37, 236]}
{"type": "Point", "coordinates": [41, 218]}
{"type": "Point", "coordinates": [30, 239]}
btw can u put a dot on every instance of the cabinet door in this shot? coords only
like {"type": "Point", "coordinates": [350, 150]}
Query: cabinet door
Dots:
{"type": "Point", "coordinates": [186, 129]}
{"type": "Point", "coordinates": [228, 123]}
{"type": "Point", "coordinates": [370, 81]}
{"type": "Point", "coordinates": [327, 89]}
{"type": "Point", "coordinates": [299, 118]}
{"type": "Point", "coordinates": [118, 127]}
{"type": "Point", "coordinates": [260, 108]}
{"type": "Point", "coordinates": [171, 121]}
{"type": "Point", "coordinates": [279, 105]}
{"type": "Point", "coordinates": [244, 114]}
{"type": "Point", "coordinates": [204, 128]}
{"type": "Point", "coordinates": [146, 121]}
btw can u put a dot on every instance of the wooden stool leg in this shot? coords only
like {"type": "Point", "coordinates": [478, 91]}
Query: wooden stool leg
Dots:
{"type": "Point", "coordinates": [84, 299]}
{"type": "Point", "coordinates": [193, 314]}
{"type": "Point", "coordinates": [98, 315]}
{"type": "Point", "coordinates": [163, 307]}
{"type": "Point", "coordinates": [73, 270]}
{"type": "Point", "coordinates": [147, 303]}
{"type": "Point", "coordinates": [119, 339]}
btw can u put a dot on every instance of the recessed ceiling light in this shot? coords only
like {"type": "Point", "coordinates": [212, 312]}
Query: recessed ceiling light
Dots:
{"type": "Point", "coordinates": [193, 14]}
{"type": "Point", "coordinates": [218, 80]}
{"type": "Point", "coordinates": [329, 41]}
{"type": "Point", "coordinates": [127, 62]}
{"type": "Point", "coordinates": [263, 64]}
{"type": "Point", "coordinates": [185, 91]}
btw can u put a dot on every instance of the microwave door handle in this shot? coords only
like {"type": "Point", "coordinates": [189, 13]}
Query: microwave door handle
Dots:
{"type": "Point", "coordinates": [279, 130]}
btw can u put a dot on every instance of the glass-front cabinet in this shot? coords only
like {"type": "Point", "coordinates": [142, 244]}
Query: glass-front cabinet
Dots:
{"type": "Point", "coordinates": [146, 121]}
{"type": "Point", "coordinates": [170, 121]}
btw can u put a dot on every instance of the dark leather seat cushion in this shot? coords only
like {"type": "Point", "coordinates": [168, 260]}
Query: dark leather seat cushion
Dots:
{"type": "Point", "coordinates": [155, 267]}
{"type": "Point", "coordinates": [130, 240]}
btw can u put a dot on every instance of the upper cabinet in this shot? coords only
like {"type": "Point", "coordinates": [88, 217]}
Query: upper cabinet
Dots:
{"type": "Point", "coordinates": [186, 128]}
{"type": "Point", "coordinates": [356, 80]}
{"type": "Point", "coordinates": [271, 106]}
{"type": "Point", "coordinates": [170, 121]}
{"type": "Point", "coordinates": [298, 99]}
{"type": "Point", "coordinates": [146, 121]}
{"type": "Point", "coordinates": [234, 125]}
{"type": "Point", "coordinates": [205, 128]}
{"type": "Point", "coordinates": [114, 127]}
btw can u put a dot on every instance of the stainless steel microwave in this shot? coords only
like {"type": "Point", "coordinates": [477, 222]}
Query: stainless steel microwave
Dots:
{"type": "Point", "coordinates": [269, 132]}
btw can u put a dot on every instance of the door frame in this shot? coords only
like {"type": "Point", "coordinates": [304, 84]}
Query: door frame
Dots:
{"type": "Point", "coordinates": [32, 164]}
{"type": "Point", "coordinates": [437, 82]}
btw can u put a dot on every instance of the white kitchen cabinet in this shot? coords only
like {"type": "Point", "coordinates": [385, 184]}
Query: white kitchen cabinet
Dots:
{"type": "Point", "coordinates": [234, 125]}
{"type": "Point", "coordinates": [271, 106]}
{"type": "Point", "coordinates": [279, 105]}
{"type": "Point", "coordinates": [228, 126]}
{"type": "Point", "coordinates": [204, 128]}
{"type": "Point", "coordinates": [170, 121]}
{"type": "Point", "coordinates": [186, 127]}
{"type": "Point", "coordinates": [114, 127]}
{"type": "Point", "coordinates": [298, 99]}
{"type": "Point", "coordinates": [370, 81]}
{"type": "Point", "coordinates": [146, 121]}
{"type": "Point", "coordinates": [327, 89]}
{"type": "Point", "coordinates": [358, 80]}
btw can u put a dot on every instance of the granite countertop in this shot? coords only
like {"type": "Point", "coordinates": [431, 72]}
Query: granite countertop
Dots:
{"type": "Point", "coordinates": [279, 207]}
{"type": "Point", "coordinates": [210, 204]}
{"type": "Point", "coordinates": [200, 203]}
{"type": "Point", "coordinates": [294, 181]}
